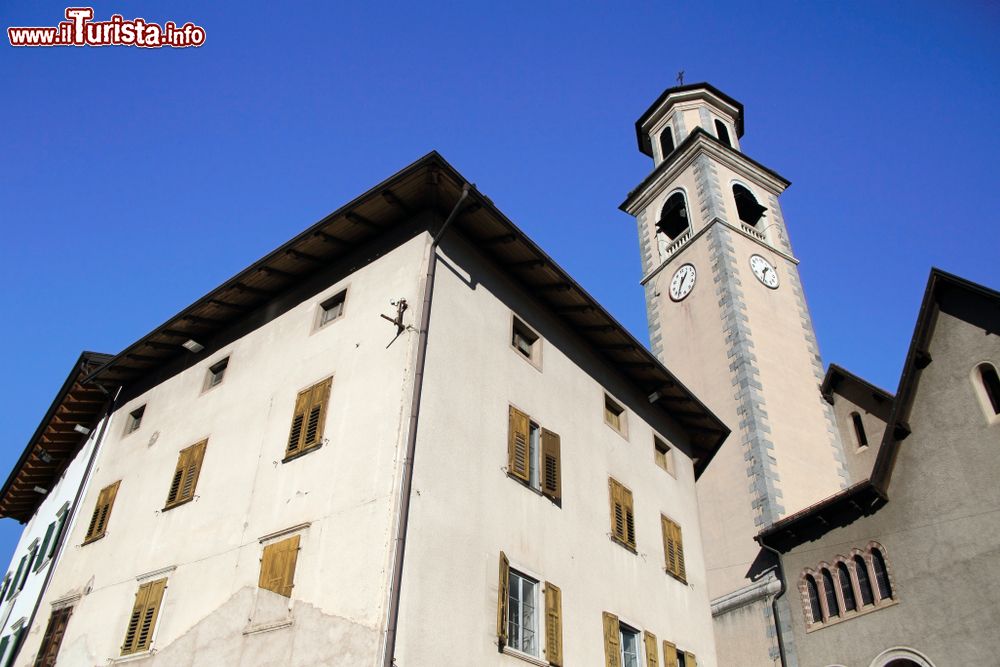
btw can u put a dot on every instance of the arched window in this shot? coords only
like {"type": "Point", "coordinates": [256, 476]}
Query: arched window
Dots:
{"type": "Point", "coordinates": [723, 132]}
{"type": "Point", "coordinates": [674, 216]}
{"type": "Point", "coordinates": [831, 595]}
{"type": "Point", "coordinates": [864, 583]}
{"type": "Point", "coordinates": [749, 210]}
{"type": "Point", "coordinates": [812, 591]}
{"type": "Point", "coordinates": [846, 589]}
{"type": "Point", "coordinates": [991, 383]}
{"type": "Point", "coordinates": [881, 575]}
{"type": "Point", "coordinates": [859, 430]}
{"type": "Point", "coordinates": [666, 142]}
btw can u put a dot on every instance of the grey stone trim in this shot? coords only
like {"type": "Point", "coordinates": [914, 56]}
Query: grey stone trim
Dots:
{"type": "Point", "coordinates": [753, 426]}
{"type": "Point", "coordinates": [709, 191]}
{"type": "Point", "coordinates": [680, 132]}
{"type": "Point", "coordinates": [778, 220]}
{"type": "Point", "coordinates": [706, 121]}
{"type": "Point", "coordinates": [833, 433]}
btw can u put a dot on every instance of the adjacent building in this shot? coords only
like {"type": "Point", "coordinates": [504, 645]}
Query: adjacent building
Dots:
{"type": "Point", "coordinates": [894, 570]}
{"type": "Point", "coordinates": [406, 437]}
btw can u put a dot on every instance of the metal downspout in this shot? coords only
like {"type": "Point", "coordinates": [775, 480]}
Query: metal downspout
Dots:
{"type": "Point", "coordinates": [774, 604]}
{"type": "Point", "coordinates": [64, 534]}
{"type": "Point", "coordinates": [389, 652]}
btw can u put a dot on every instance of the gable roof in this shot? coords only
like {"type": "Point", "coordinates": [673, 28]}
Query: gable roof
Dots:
{"type": "Point", "coordinates": [428, 185]}
{"type": "Point", "coordinates": [841, 381]}
{"type": "Point", "coordinates": [945, 291]}
{"type": "Point", "coordinates": [56, 440]}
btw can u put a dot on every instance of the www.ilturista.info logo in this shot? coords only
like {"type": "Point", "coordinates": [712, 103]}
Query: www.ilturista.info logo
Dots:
{"type": "Point", "coordinates": [81, 30]}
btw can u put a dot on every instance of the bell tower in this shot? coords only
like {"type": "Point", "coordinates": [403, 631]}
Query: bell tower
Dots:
{"type": "Point", "coordinates": [728, 315]}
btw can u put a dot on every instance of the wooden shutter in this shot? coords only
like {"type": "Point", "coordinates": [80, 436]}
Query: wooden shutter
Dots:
{"type": "Point", "coordinates": [689, 659]}
{"type": "Point", "coordinates": [185, 479]}
{"type": "Point", "coordinates": [673, 548]}
{"type": "Point", "coordinates": [553, 625]}
{"type": "Point", "coordinates": [142, 621]}
{"type": "Point", "coordinates": [43, 551]}
{"type": "Point", "coordinates": [59, 531]}
{"type": "Point", "coordinates": [629, 517]}
{"type": "Point", "coordinates": [309, 418]}
{"type": "Point", "coordinates": [3, 592]}
{"type": "Point", "coordinates": [17, 583]}
{"type": "Point", "coordinates": [517, 444]}
{"type": "Point", "coordinates": [277, 566]}
{"type": "Point", "coordinates": [551, 465]}
{"type": "Point", "coordinates": [651, 651]}
{"type": "Point", "coordinates": [102, 512]}
{"type": "Point", "coordinates": [669, 654]}
{"type": "Point", "coordinates": [612, 641]}
{"type": "Point", "coordinates": [617, 510]}
{"type": "Point", "coordinates": [503, 591]}
{"type": "Point", "coordinates": [53, 637]}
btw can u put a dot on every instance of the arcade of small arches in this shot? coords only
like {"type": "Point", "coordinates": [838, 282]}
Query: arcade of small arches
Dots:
{"type": "Point", "coordinates": [849, 586]}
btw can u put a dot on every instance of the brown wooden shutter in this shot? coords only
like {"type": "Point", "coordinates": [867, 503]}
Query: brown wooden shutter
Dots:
{"type": "Point", "coordinates": [319, 395]}
{"type": "Point", "coordinates": [629, 517]}
{"type": "Point", "coordinates": [553, 625]}
{"type": "Point", "coordinates": [617, 510]}
{"type": "Point", "coordinates": [142, 621]}
{"type": "Point", "coordinates": [53, 637]}
{"type": "Point", "coordinates": [102, 512]}
{"type": "Point", "coordinates": [503, 591]}
{"type": "Point", "coordinates": [651, 650]}
{"type": "Point", "coordinates": [185, 479]}
{"type": "Point", "coordinates": [551, 465]}
{"type": "Point", "coordinates": [673, 548]}
{"type": "Point", "coordinates": [669, 654]}
{"type": "Point", "coordinates": [298, 419]}
{"type": "Point", "coordinates": [517, 444]}
{"type": "Point", "coordinates": [681, 568]}
{"type": "Point", "coordinates": [277, 566]}
{"type": "Point", "coordinates": [612, 641]}
{"type": "Point", "coordinates": [689, 659]}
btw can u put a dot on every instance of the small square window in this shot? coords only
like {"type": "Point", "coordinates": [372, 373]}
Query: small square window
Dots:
{"type": "Point", "coordinates": [663, 455]}
{"type": "Point", "coordinates": [216, 372]}
{"type": "Point", "coordinates": [526, 342]}
{"type": "Point", "coordinates": [614, 415]}
{"type": "Point", "coordinates": [630, 646]}
{"type": "Point", "coordinates": [134, 420]}
{"type": "Point", "coordinates": [522, 616]}
{"type": "Point", "coordinates": [332, 308]}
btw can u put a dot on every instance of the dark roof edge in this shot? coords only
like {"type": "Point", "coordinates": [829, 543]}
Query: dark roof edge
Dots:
{"type": "Point", "coordinates": [684, 89]}
{"type": "Point", "coordinates": [836, 373]}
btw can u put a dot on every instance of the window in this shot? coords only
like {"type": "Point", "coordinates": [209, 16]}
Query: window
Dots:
{"type": "Point", "coordinates": [277, 566]}
{"type": "Point", "coordinates": [17, 583]}
{"type": "Point", "coordinates": [62, 513]}
{"type": "Point", "coordinates": [614, 416]}
{"type": "Point", "coordinates": [102, 513]}
{"type": "Point", "coordinates": [812, 592]}
{"type": "Point", "coordinates": [54, 632]}
{"type": "Point", "coordinates": [3, 646]}
{"type": "Point", "coordinates": [32, 552]}
{"type": "Point", "coordinates": [142, 622]}
{"type": "Point", "coordinates": [630, 646]}
{"type": "Point", "coordinates": [622, 514]}
{"type": "Point", "coordinates": [673, 549]}
{"type": "Point", "coordinates": [673, 216]}
{"type": "Point", "coordinates": [526, 342]}
{"type": "Point", "coordinates": [309, 419]}
{"type": "Point", "coordinates": [846, 587]}
{"type": "Point", "coordinates": [666, 142]}
{"type": "Point", "coordinates": [43, 552]}
{"type": "Point", "coordinates": [3, 591]}
{"type": "Point", "coordinates": [216, 372]}
{"type": "Point", "coordinates": [517, 618]}
{"type": "Point", "coordinates": [134, 420]}
{"type": "Point", "coordinates": [663, 455]}
{"type": "Point", "coordinates": [832, 607]}
{"type": "Point", "coordinates": [747, 207]}
{"type": "Point", "coordinates": [881, 574]}
{"type": "Point", "coordinates": [534, 455]}
{"type": "Point", "coordinates": [864, 583]}
{"type": "Point", "coordinates": [674, 657]}
{"type": "Point", "coordinates": [332, 308]}
{"type": "Point", "coordinates": [723, 132]}
{"type": "Point", "coordinates": [859, 430]}
{"type": "Point", "coordinates": [185, 479]}
{"type": "Point", "coordinates": [991, 384]}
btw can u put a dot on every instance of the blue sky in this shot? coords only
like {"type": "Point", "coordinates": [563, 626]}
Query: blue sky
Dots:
{"type": "Point", "coordinates": [133, 181]}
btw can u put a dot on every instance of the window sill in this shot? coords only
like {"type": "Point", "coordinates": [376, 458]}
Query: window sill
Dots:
{"type": "Point", "coordinates": [267, 627]}
{"type": "Point", "coordinates": [622, 432]}
{"type": "Point", "coordinates": [177, 504]}
{"type": "Point", "coordinates": [674, 576]}
{"type": "Point", "coordinates": [537, 492]}
{"type": "Point", "coordinates": [849, 615]}
{"type": "Point", "coordinates": [131, 657]}
{"type": "Point", "coordinates": [624, 545]}
{"type": "Point", "coordinates": [309, 450]}
{"type": "Point", "coordinates": [94, 539]}
{"type": "Point", "coordinates": [513, 652]}
{"type": "Point", "coordinates": [531, 361]}
{"type": "Point", "coordinates": [41, 566]}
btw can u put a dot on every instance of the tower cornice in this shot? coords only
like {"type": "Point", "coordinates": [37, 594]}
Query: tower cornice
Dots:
{"type": "Point", "coordinates": [700, 142]}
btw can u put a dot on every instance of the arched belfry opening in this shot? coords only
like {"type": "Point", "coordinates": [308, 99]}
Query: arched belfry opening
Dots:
{"type": "Point", "coordinates": [747, 206]}
{"type": "Point", "coordinates": [666, 142]}
{"type": "Point", "coordinates": [674, 217]}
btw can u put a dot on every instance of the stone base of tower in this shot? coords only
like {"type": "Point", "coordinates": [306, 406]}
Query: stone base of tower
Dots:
{"type": "Point", "coordinates": [744, 627]}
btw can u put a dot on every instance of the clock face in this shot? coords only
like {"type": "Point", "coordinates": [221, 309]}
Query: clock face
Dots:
{"type": "Point", "coordinates": [683, 282]}
{"type": "Point", "coordinates": [765, 272]}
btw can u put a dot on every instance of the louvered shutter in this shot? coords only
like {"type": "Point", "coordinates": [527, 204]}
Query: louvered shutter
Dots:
{"type": "Point", "coordinates": [53, 637]}
{"type": "Point", "coordinates": [669, 654]}
{"type": "Point", "coordinates": [150, 613]}
{"type": "Point", "coordinates": [43, 551]}
{"type": "Point", "coordinates": [277, 566]}
{"type": "Point", "coordinates": [173, 494]}
{"type": "Point", "coordinates": [190, 467]}
{"type": "Point", "coordinates": [298, 421]}
{"type": "Point", "coordinates": [102, 512]}
{"type": "Point", "coordinates": [689, 659]}
{"type": "Point", "coordinates": [679, 546]}
{"type": "Point", "coordinates": [138, 608]}
{"type": "Point", "coordinates": [669, 552]}
{"type": "Point", "coordinates": [617, 510]}
{"type": "Point", "coordinates": [315, 419]}
{"type": "Point", "coordinates": [17, 578]}
{"type": "Point", "coordinates": [612, 641]}
{"type": "Point", "coordinates": [629, 517]}
{"type": "Point", "coordinates": [503, 591]}
{"type": "Point", "coordinates": [551, 465]}
{"type": "Point", "coordinates": [651, 651]}
{"type": "Point", "coordinates": [553, 625]}
{"type": "Point", "coordinates": [517, 445]}
{"type": "Point", "coordinates": [59, 532]}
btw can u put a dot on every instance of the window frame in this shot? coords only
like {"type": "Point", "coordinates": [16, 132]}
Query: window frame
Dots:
{"type": "Point", "coordinates": [610, 403]}
{"type": "Point", "coordinates": [543, 456]}
{"type": "Point", "coordinates": [323, 391]}
{"type": "Point", "coordinates": [669, 464]}
{"type": "Point", "coordinates": [338, 297]}
{"type": "Point", "coordinates": [860, 435]}
{"type": "Point", "coordinates": [989, 398]}
{"type": "Point", "coordinates": [539, 636]}
{"type": "Point", "coordinates": [627, 628]}
{"type": "Point", "coordinates": [47, 646]}
{"type": "Point", "coordinates": [134, 421]}
{"type": "Point", "coordinates": [214, 371]}
{"type": "Point", "coordinates": [518, 327]}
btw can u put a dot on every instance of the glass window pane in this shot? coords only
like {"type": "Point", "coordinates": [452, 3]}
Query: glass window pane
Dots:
{"type": "Point", "coordinates": [630, 648]}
